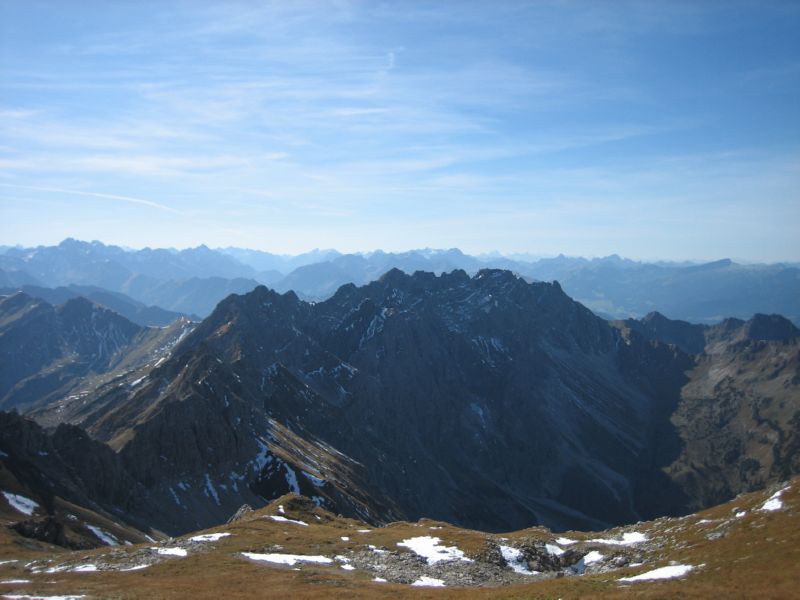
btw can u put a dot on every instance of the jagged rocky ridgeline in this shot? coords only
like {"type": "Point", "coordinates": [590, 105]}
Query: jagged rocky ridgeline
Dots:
{"type": "Point", "coordinates": [485, 401]}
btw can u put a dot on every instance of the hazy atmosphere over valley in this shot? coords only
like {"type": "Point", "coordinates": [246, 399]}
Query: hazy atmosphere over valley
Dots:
{"type": "Point", "coordinates": [365, 299]}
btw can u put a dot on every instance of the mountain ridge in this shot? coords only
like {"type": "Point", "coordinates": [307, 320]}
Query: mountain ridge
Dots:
{"type": "Point", "coordinates": [400, 372]}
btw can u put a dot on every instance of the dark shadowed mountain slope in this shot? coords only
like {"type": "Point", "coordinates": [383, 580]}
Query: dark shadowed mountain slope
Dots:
{"type": "Point", "coordinates": [57, 353]}
{"type": "Point", "coordinates": [487, 401]}
{"type": "Point", "coordinates": [75, 490]}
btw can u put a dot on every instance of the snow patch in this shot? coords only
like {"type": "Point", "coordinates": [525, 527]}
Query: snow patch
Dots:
{"type": "Point", "coordinates": [135, 568]}
{"type": "Point", "coordinates": [281, 519]}
{"type": "Point", "coordinates": [211, 491]}
{"type": "Point", "coordinates": [428, 547]}
{"type": "Point", "coordinates": [138, 381]}
{"type": "Point", "coordinates": [348, 567]}
{"type": "Point", "coordinates": [21, 503]}
{"type": "Point", "coordinates": [592, 557]}
{"type": "Point", "coordinates": [103, 536]}
{"type": "Point", "coordinates": [291, 479]}
{"type": "Point", "coordinates": [287, 559]}
{"type": "Point", "coordinates": [669, 572]}
{"type": "Point", "coordinates": [553, 550]}
{"type": "Point", "coordinates": [208, 537]}
{"type": "Point", "coordinates": [21, 597]}
{"type": "Point", "coordinates": [628, 539]}
{"type": "Point", "coordinates": [171, 551]}
{"type": "Point", "coordinates": [516, 560]}
{"type": "Point", "coordinates": [262, 458]}
{"type": "Point", "coordinates": [428, 582]}
{"type": "Point", "coordinates": [318, 482]}
{"type": "Point", "coordinates": [774, 502]}
{"type": "Point", "coordinates": [562, 541]}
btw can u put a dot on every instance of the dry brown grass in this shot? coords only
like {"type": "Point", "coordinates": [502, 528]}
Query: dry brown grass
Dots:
{"type": "Point", "coordinates": [758, 557]}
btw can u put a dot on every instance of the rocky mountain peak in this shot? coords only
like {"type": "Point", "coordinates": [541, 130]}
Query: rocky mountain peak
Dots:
{"type": "Point", "coordinates": [770, 327]}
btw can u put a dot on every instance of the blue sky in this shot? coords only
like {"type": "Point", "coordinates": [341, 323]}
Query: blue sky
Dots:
{"type": "Point", "coordinates": [651, 129]}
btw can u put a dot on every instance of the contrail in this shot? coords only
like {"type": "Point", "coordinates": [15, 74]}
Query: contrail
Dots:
{"type": "Point", "coordinates": [129, 199]}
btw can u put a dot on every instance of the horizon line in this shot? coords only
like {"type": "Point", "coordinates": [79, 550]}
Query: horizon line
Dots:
{"type": "Point", "coordinates": [534, 256]}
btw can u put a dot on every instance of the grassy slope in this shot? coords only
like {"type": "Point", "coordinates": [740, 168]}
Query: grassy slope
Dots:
{"type": "Point", "coordinates": [758, 555]}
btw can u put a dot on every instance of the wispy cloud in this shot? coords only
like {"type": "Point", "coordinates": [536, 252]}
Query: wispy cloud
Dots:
{"type": "Point", "coordinates": [114, 197]}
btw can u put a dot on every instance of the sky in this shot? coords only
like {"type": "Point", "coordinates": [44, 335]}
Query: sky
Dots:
{"type": "Point", "coordinates": [654, 130]}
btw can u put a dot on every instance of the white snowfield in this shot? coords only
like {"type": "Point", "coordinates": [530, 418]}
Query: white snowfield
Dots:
{"type": "Point", "coordinates": [171, 551]}
{"type": "Point", "coordinates": [669, 572]}
{"type": "Point", "coordinates": [208, 537]}
{"type": "Point", "coordinates": [428, 548]}
{"type": "Point", "coordinates": [285, 520]}
{"type": "Point", "coordinates": [628, 539]}
{"type": "Point", "coordinates": [774, 502]}
{"type": "Point", "coordinates": [426, 581]}
{"type": "Point", "coordinates": [21, 503]}
{"type": "Point", "coordinates": [287, 559]}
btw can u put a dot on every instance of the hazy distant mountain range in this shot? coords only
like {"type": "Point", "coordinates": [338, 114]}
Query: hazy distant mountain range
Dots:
{"type": "Point", "coordinates": [192, 281]}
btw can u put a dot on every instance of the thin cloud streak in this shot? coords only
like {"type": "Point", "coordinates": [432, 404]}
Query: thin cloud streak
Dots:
{"type": "Point", "coordinates": [129, 199]}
